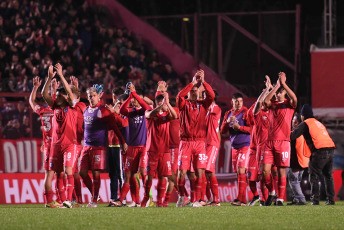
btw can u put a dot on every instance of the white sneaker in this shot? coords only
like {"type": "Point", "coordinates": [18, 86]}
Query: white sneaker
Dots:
{"type": "Point", "coordinates": [132, 205]}
{"type": "Point", "coordinates": [180, 202]}
{"type": "Point", "coordinates": [197, 204]}
{"type": "Point", "coordinates": [67, 204]}
{"type": "Point", "coordinates": [91, 205]}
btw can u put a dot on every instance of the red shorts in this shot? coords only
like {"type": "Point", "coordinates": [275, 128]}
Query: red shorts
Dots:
{"type": "Point", "coordinates": [77, 161]}
{"type": "Point", "coordinates": [212, 152]}
{"type": "Point", "coordinates": [62, 156]}
{"type": "Point", "coordinates": [195, 149]}
{"type": "Point", "coordinates": [136, 157]}
{"type": "Point", "coordinates": [175, 157]}
{"type": "Point", "coordinates": [252, 168]}
{"type": "Point", "coordinates": [93, 157]}
{"type": "Point", "coordinates": [277, 153]}
{"type": "Point", "coordinates": [46, 153]}
{"type": "Point", "coordinates": [260, 156]}
{"type": "Point", "coordinates": [240, 157]}
{"type": "Point", "coordinates": [159, 163]}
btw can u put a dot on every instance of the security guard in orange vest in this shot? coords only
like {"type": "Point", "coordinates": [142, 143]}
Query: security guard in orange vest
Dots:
{"type": "Point", "coordinates": [298, 163]}
{"type": "Point", "coordinates": [322, 153]}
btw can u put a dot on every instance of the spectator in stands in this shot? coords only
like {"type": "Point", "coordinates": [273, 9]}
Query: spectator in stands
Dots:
{"type": "Point", "coordinates": [12, 130]}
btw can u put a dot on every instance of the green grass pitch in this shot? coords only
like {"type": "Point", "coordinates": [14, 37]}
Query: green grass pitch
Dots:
{"type": "Point", "coordinates": [224, 217]}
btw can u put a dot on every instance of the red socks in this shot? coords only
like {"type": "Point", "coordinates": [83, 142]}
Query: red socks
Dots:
{"type": "Point", "coordinates": [70, 187]}
{"type": "Point", "coordinates": [77, 190]}
{"type": "Point", "coordinates": [124, 192]}
{"type": "Point", "coordinates": [282, 183]}
{"type": "Point", "coordinates": [204, 187]}
{"type": "Point", "coordinates": [268, 182]}
{"type": "Point", "coordinates": [181, 186]}
{"type": "Point", "coordinates": [61, 188]}
{"type": "Point", "coordinates": [133, 187]}
{"type": "Point", "coordinates": [199, 186]}
{"type": "Point", "coordinates": [48, 196]}
{"type": "Point", "coordinates": [161, 189]}
{"type": "Point", "coordinates": [193, 188]}
{"type": "Point", "coordinates": [214, 188]}
{"type": "Point", "coordinates": [242, 187]}
{"type": "Point", "coordinates": [253, 187]}
{"type": "Point", "coordinates": [264, 190]}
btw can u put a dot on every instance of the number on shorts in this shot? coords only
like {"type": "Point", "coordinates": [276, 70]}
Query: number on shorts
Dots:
{"type": "Point", "coordinates": [97, 157]}
{"type": "Point", "coordinates": [202, 157]}
{"type": "Point", "coordinates": [285, 155]}
{"type": "Point", "coordinates": [69, 155]}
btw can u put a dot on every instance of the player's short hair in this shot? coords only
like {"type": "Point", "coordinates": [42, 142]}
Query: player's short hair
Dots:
{"type": "Point", "coordinates": [298, 117]}
{"type": "Point", "coordinates": [61, 90]}
{"type": "Point", "coordinates": [117, 91]}
{"type": "Point", "coordinates": [123, 97]}
{"type": "Point", "coordinates": [75, 91]}
{"type": "Point", "coordinates": [91, 90]}
{"type": "Point", "coordinates": [160, 97]}
{"type": "Point", "coordinates": [237, 95]}
{"type": "Point", "coordinates": [280, 89]}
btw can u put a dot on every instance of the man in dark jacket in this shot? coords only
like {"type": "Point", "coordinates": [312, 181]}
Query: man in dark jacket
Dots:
{"type": "Point", "coordinates": [322, 153]}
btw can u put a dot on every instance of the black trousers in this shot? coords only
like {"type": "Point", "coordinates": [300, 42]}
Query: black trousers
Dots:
{"type": "Point", "coordinates": [115, 166]}
{"type": "Point", "coordinates": [321, 162]}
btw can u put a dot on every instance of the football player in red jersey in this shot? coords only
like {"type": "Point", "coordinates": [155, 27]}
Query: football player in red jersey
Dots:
{"type": "Point", "coordinates": [64, 133]}
{"type": "Point", "coordinates": [46, 114]}
{"type": "Point", "coordinates": [277, 149]}
{"type": "Point", "coordinates": [193, 133]}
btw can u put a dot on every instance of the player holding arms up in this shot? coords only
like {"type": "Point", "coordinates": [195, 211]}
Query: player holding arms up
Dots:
{"type": "Point", "coordinates": [193, 133]}
{"type": "Point", "coordinates": [277, 149]}
{"type": "Point", "coordinates": [136, 154]}
{"type": "Point", "coordinates": [97, 121]}
{"type": "Point", "coordinates": [46, 115]}
{"type": "Point", "coordinates": [159, 159]}
{"type": "Point", "coordinates": [63, 134]}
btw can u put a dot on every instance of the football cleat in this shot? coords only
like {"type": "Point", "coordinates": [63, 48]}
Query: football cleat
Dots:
{"type": "Point", "coordinates": [254, 200]}
{"type": "Point", "coordinates": [77, 205]}
{"type": "Point", "coordinates": [117, 203]}
{"type": "Point", "coordinates": [237, 202]}
{"type": "Point", "coordinates": [132, 205]}
{"type": "Point", "coordinates": [197, 204]}
{"type": "Point", "coordinates": [202, 202]}
{"type": "Point", "coordinates": [330, 202]}
{"type": "Point", "coordinates": [214, 204]}
{"type": "Point", "coordinates": [279, 203]}
{"type": "Point", "coordinates": [92, 205]}
{"type": "Point", "coordinates": [270, 199]}
{"type": "Point", "coordinates": [53, 204]}
{"type": "Point", "coordinates": [67, 204]}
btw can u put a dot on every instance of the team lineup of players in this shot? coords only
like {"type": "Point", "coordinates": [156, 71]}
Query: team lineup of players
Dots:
{"type": "Point", "coordinates": [163, 141]}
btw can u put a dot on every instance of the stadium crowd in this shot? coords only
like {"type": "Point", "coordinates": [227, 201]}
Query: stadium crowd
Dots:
{"type": "Point", "coordinates": [34, 34]}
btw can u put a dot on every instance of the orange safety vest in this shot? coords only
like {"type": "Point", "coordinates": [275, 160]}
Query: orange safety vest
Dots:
{"type": "Point", "coordinates": [303, 152]}
{"type": "Point", "coordinates": [319, 134]}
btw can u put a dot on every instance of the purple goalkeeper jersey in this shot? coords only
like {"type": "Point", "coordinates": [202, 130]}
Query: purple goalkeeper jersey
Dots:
{"type": "Point", "coordinates": [137, 127]}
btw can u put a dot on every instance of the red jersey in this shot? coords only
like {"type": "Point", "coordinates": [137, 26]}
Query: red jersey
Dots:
{"type": "Point", "coordinates": [174, 131]}
{"type": "Point", "coordinates": [80, 108]}
{"type": "Point", "coordinates": [64, 125]}
{"type": "Point", "coordinates": [158, 133]}
{"type": "Point", "coordinates": [261, 120]}
{"type": "Point", "coordinates": [250, 122]}
{"type": "Point", "coordinates": [280, 116]}
{"type": "Point", "coordinates": [192, 114]}
{"type": "Point", "coordinates": [120, 122]}
{"type": "Point", "coordinates": [213, 125]}
{"type": "Point", "coordinates": [46, 115]}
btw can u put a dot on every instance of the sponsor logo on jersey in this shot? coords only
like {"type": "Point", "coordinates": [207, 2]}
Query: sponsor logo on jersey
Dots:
{"type": "Point", "coordinates": [65, 110]}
